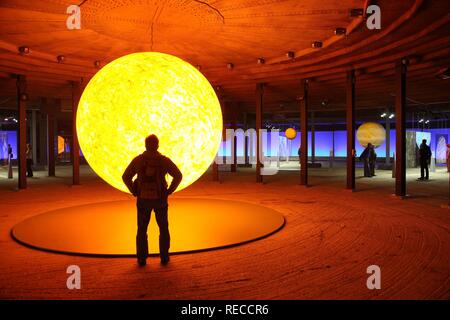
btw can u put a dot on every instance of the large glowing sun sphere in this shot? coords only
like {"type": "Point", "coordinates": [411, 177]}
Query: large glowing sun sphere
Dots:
{"type": "Point", "coordinates": [148, 93]}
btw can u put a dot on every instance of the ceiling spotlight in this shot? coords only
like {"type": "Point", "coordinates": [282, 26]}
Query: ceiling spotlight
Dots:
{"type": "Point", "coordinates": [60, 58]}
{"type": "Point", "coordinates": [15, 120]}
{"type": "Point", "coordinates": [421, 120]}
{"type": "Point", "coordinates": [261, 61]}
{"type": "Point", "coordinates": [383, 114]}
{"type": "Point", "coordinates": [358, 12]}
{"type": "Point", "coordinates": [340, 31]}
{"type": "Point", "coordinates": [324, 102]}
{"type": "Point", "coordinates": [391, 116]}
{"type": "Point", "coordinates": [230, 65]}
{"type": "Point", "coordinates": [24, 50]}
{"type": "Point", "coordinates": [317, 44]}
{"type": "Point", "coordinates": [290, 54]}
{"type": "Point", "coordinates": [97, 63]}
{"type": "Point", "coordinates": [428, 121]}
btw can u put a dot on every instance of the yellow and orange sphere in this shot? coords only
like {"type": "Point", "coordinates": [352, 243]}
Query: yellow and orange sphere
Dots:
{"type": "Point", "coordinates": [290, 133]}
{"type": "Point", "coordinates": [371, 132]}
{"type": "Point", "coordinates": [148, 93]}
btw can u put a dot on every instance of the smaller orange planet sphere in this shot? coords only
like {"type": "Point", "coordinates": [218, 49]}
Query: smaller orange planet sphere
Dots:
{"type": "Point", "coordinates": [290, 133]}
{"type": "Point", "coordinates": [371, 132]}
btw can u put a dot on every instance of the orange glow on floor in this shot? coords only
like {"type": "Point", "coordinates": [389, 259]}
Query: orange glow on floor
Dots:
{"type": "Point", "coordinates": [109, 228]}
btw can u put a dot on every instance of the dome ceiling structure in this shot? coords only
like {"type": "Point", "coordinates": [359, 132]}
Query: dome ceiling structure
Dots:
{"type": "Point", "coordinates": [217, 34]}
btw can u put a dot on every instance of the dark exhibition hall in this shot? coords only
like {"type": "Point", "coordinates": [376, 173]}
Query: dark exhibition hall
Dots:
{"type": "Point", "coordinates": [224, 150]}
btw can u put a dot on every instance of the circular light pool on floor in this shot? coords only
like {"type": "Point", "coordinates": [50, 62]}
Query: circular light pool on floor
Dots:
{"type": "Point", "coordinates": [109, 228]}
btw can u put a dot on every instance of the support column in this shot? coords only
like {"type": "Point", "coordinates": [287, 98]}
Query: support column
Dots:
{"type": "Point", "coordinates": [351, 80]}
{"type": "Point", "coordinates": [246, 140]}
{"type": "Point", "coordinates": [76, 92]}
{"type": "Point", "coordinates": [332, 151]}
{"type": "Point", "coordinates": [400, 128]}
{"type": "Point", "coordinates": [304, 132]}
{"type": "Point", "coordinates": [215, 169]}
{"type": "Point", "coordinates": [258, 127]}
{"type": "Point", "coordinates": [22, 137]}
{"type": "Point", "coordinates": [215, 165]}
{"type": "Point", "coordinates": [43, 133]}
{"type": "Point", "coordinates": [313, 139]}
{"type": "Point", "coordinates": [51, 123]}
{"type": "Point", "coordinates": [234, 142]}
{"type": "Point", "coordinates": [388, 138]}
{"type": "Point", "coordinates": [34, 141]}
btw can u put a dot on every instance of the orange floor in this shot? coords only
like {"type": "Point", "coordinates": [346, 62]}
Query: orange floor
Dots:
{"type": "Point", "coordinates": [330, 238]}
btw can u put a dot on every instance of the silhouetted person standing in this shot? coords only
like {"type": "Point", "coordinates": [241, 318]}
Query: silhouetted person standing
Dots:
{"type": "Point", "coordinates": [372, 159]}
{"type": "Point", "coordinates": [150, 188]}
{"type": "Point", "coordinates": [425, 159]}
{"type": "Point", "coordinates": [365, 156]}
{"type": "Point", "coordinates": [10, 154]}
{"type": "Point", "coordinates": [29, 154]}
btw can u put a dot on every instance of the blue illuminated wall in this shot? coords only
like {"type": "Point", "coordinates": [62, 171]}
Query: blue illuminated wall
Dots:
{"type": "Point", "coordinates": [8, 137]}
{"type": "Point", "coordinates": [324, 143]}
{"type": "Point", "coordinates": [434, 134]}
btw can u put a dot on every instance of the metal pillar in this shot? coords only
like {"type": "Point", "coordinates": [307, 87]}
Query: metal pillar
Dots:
{"type": "Point", "coordinates": [351, 99]}
{"type": "Point", "coordinates": [259, 151]}
{"type": "Point", "coordinates": [22, 137]}
{"type": "Point", "coordinates": [304, 132]}
{"type": "Point", "coordinates": [400, 127]}
{"type": "Point", "coordinates": [76, 92]}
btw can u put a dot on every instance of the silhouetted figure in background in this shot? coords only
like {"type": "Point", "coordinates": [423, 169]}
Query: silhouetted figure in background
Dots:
{"type": "Point", "coordinates": [372, 160]}
{"type": "Point", "coordinates": [365, 156]}
{"type": "Point", "coordinates": [150, 188]}
{"type": "Point", "coordinates": [29, 154]}
{"type": "Point", "coordinates": [299, 152]}
{"type": "Point", "coordinates": [425, 159]}
{"type": "Point", "coordinates": [10, 156]}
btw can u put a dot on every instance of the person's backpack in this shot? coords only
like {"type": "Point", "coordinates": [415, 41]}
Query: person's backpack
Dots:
{"type": "Point", "coordinates": [150, 180]}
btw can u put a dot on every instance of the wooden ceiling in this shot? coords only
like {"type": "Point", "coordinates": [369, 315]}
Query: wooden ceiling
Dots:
{"type": "Point", "coordinates": [213, 33]}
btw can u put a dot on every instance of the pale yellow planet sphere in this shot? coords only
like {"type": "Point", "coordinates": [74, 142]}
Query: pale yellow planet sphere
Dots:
{"type": "Point", "coordinates": [148, 93]}
{"type": "Point", "coordinates": [290, 133]}
{"type": "Point", "coordinates": [371, 132]}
